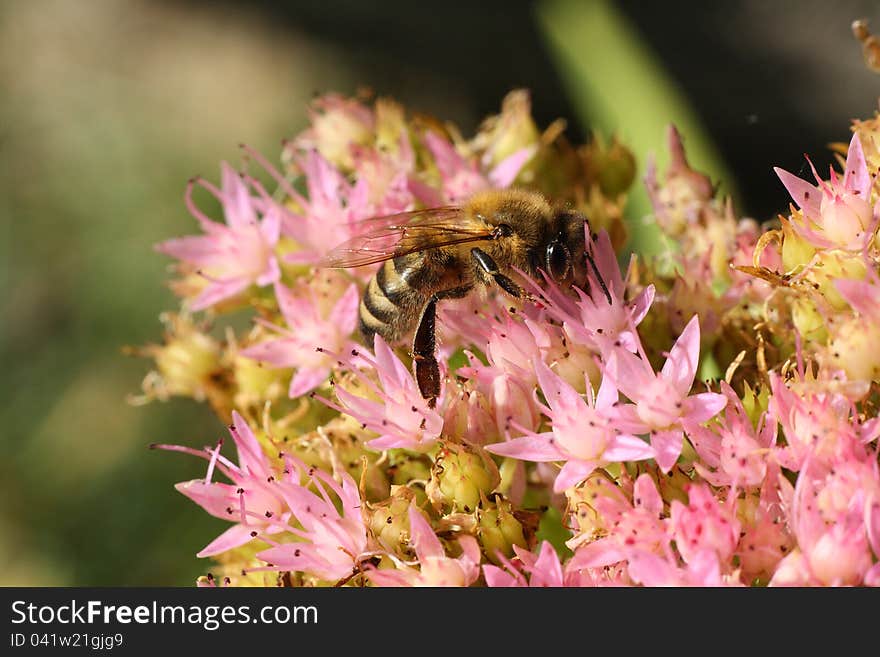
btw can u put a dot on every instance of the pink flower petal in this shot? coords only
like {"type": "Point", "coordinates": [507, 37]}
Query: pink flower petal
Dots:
{"type": "Point", "coordinates": [856, 176]}
{"type": "Point", "coordinates": [446, 158]}
{"type": "Point", "coordinates": [238, 205]}
{"type": "Point", "coordinates": [251, 456]}
{"type": "Point", "coordinates": [270, 227]}
{"type": "Point", "coordinates": [704, 406]}
{"type": "Point", "coordinates": [667, 446]}
{"type": "Point", "coordinates": [628, 372]}
{"type": "Point", "coordinates": [650, 570]}
{"type": "Point", "coordinates": [806, 196]}
{"type": "Point", "coordinates": [212, 497]}
{"type": "Point", "coordinates": [218, 291]}
{"type": "Point", "coordinates": [863, 296]}
{"type": "Point", "coordinates": [283, 352]}
{"type": "Point", "coordinates": [498, 578]}
{"type": "Point", "coordinates": [681, 366]}
{"type": "Point", "coordinates": [307, 379]}
{"type": "Point", "coordinates": [529, 448]}
{"type": "Point", "coordinates": [626, 418]}
{"type": "Point", "coordinates": [344, 315]}
{"type": "Point", "coordinates": [233, 537]}
{"type": "Point", "coordinates": [508, 169]}
{"type": "Point", "coordinates": [598, 554]}
{"type": "Point", "coordinates": [642, 304]}
{"type": "Point", "coordinates": [646, 496]}
{"type": "Point", "coordinates": [547, 569]}
{"type": "Point", "coordinates": [272, 273]}
{"type": "Point", "coordinates": [624, 447]}
{"type": "Point", "coordinates": [200, 250]}
{"type": "Point", "coordinates": [561, 397]}
{"type": "Point", "coordinates": [573, 473]}
{"type": "Point", "coordinates": [422, 536]}
{"type": "Point", "coordinates": [872, 524]}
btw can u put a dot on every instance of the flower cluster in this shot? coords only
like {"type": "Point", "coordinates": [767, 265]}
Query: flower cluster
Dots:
{"type": "Point", "coordinates": [706, 417]}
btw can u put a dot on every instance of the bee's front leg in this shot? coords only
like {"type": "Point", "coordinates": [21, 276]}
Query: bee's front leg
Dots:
{"type": "Point", "coordinates": [486, 264]}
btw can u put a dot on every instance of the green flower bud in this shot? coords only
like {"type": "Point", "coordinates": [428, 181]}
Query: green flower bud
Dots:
{"type": "Point", "coordinates": [853, 348]}
{"type": "Point", "coordinates": [807, 319]}
{"type": "Point", "coordinates": [461, 478]}
{"type": "Point", "coordinates": [389, 521]}
{"type": "Point", "coordinates": [187, 364]}
{"type": "Point", "coordinates": [498, 530]}
{"type": "Point", "coordinates": [796, 251]}
{"type": "Point", "coordinates": [256, 382]}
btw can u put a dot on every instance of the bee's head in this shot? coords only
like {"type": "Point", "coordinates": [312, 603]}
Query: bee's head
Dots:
{"type": "Point", "coordinates": [564, 259]}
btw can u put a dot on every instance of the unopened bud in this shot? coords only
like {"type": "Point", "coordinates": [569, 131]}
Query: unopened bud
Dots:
{"type": "Point", "coordinates": [499, 530]}
{"type": "Point", "coordinates": [389, 521]}
{"type": "Point", "coordinates": [460, 478]}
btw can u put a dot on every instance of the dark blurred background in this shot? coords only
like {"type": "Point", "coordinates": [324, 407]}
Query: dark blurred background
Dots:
{"type": "Point", "coordinates": [109, 107]}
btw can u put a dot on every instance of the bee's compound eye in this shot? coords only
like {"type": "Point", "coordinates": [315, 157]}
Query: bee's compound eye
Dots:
{"type": "Point", "coordinates": [503, 230]}
{"type": "Point", "coordinates": [558, 260]}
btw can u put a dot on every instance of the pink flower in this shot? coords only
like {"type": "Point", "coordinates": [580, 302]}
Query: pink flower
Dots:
{"type": "Point", "coordinates": [338, 124]}
{"type": "Point", "coordinates": [333, 539]}
{"type": "Point", "coordinates": [435, 568]}
{"type": "Point", "coordinates": [638, 526]}
{"type": "Point", "coordinates": [733, 452]}
{"type": "Point", "coordinates": [836, 214]}
{"type": "Point", "coordinates": [499, 395]}
{"type": "Point", "coordinates": [872, 525]}
{"type": "Point", "coordinates": [462, 179]}
{"type": "Point", "coordinates": [662, 403]}
{"type": "Point", "coordinates": [704, 525]}
{"type": "Point", "coordinates": [402, 416]}
{"type": "Point", "coordinates": [703, 570]}
{"type": "Point", "coordinates": [333, 210]}
{"type": "Point", "coordinates": [832, 516]}
{"type": "Point", "coordinates": [251, 499]}
{"type": "Point", "coordinates": [234, 256]}
{"type": "Point", "coordinates": [310, 339]}
{"type": "Point", "coordinates": [543, 570]}
{"type": "Point", "coordinates": [582, 434]}
{"type": "Point", "coordinates": [815, 424]}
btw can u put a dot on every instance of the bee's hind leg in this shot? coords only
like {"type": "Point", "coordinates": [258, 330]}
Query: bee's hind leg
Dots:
{"type": "Point", "coordinates": [427, 369]}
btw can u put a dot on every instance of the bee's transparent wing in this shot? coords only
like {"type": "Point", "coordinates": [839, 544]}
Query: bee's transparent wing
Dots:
{"type": "Point", "coordinates": [392, 236]}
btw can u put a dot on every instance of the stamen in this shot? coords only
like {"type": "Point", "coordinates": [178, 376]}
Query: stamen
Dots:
{"type": "Point", "coordinates": [213, 462]}
{"type": "Point", "coordinates": [276, 175]}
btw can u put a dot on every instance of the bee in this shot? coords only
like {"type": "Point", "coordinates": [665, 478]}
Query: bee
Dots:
{"type": "Point", "coordinates": [447, 252]}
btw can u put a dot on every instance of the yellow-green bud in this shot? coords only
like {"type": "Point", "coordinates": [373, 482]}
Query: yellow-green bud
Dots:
{"type": "Point", "coordinates": [498, 530]}
{"type": "Point", "coordinates": [460, 478]}
{"type": "Point", "coordinates": [612, 166]}
{"type": "Point", "coordinates": [186, 363]}
{"type": "Point", "coordinates": [582, 501]}
{"type": "Point", "coordinates": [832, 267]}
{"type": "Point", "coordinates": [389, 521]}
{"type": "Point", "coordinates": [796, 251]}
{"type": "Point", "coordinates": [853, 348]}
{"type": "Point", "coordinates": [256, 383]}
{"type": "Point", "coordinates": [807, 319]}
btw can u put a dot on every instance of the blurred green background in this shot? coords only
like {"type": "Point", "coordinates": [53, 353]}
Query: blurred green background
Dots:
{"type": "Point", "coordinates": [108, 107]}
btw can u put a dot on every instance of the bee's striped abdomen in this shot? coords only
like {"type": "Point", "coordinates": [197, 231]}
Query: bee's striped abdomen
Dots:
{"type": "Point", "coordinates": [391, 305]}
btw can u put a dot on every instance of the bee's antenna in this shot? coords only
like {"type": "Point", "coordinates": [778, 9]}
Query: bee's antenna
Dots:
{"type": "Point", "coordinates": [598, 276]}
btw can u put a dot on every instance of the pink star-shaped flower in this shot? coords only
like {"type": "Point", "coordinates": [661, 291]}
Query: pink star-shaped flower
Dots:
{"type": "Point", "coordinates": [310, 340]}
{"type": "Point", "coordinates": [662, 403]}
